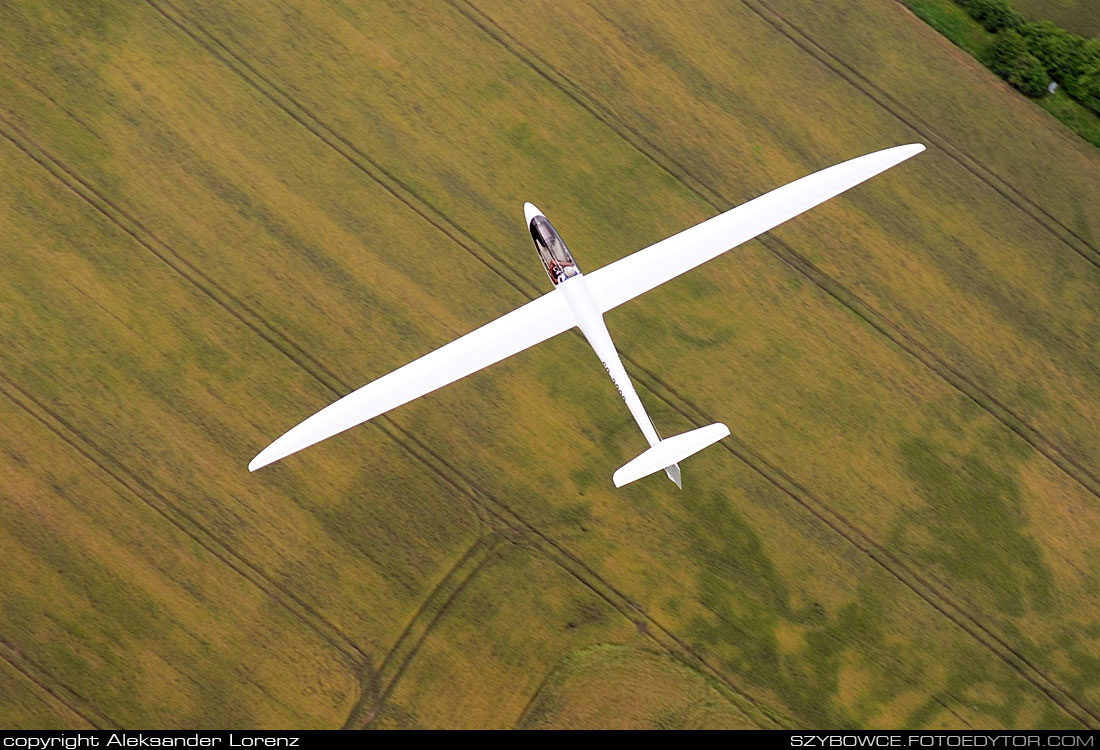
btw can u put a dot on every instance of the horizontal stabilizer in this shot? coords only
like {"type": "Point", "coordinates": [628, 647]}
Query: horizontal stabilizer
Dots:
{"type": "Point", "coordinates": [669, 451]}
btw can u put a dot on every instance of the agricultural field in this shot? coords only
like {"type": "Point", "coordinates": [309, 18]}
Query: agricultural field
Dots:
{"type": "Point", "coordinates": [951, 20]}
{"type": "Point", "coordinates": [219, 216]}
{"type": "Point", "coordinates": [1079, 16]}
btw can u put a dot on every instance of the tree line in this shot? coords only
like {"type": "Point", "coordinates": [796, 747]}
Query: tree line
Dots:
{"type": "Point", "coordinates": [1030, 54]}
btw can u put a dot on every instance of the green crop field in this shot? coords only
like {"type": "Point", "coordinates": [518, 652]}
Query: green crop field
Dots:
{"type": "Point", "coordinates": [219, 216]}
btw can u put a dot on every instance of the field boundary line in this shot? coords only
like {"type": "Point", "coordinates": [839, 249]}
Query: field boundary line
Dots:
{"type": "Point", "coordinates": [62, 693]}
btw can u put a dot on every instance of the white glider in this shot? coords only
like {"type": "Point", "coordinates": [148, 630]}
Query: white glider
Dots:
{"type": "Point", "coordinates": [581, 300]}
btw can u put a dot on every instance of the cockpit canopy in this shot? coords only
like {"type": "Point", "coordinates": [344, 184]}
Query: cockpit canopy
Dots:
{"type": "Point", "coordinates": [555, 255]}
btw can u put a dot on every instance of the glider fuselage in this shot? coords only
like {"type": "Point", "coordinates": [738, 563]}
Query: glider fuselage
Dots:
{"type": "Point", "coordinates": [570, 283]}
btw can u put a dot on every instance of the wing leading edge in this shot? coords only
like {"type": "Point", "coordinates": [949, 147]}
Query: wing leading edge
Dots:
{"type": "Point", "coordinates": [520, 329]}
{"type": "Point", "coordinates": [635, 274]}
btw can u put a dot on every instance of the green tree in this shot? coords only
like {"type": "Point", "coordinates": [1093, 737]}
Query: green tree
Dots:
{"type": "Point", "coordinates": [1087, 85]}
{"type": "Point", "coordinates": [1030, 54]}
{"type": "Point", "coordinates": [1031, 78]}
{"type": "Point", "coordinates": [1058, 50]}
{"type": "Point", "coordinates": [1010, 59]}
{"type": "Point", "coordinates": [1080, 81]}
{"type": "Point", "coordinates": [994, 15]}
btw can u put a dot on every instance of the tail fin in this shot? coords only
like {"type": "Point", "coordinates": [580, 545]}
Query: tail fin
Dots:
{"type": "Point", "coordinates": [666, 454]}
{"type": "Point", "coordinates": [673, 473]}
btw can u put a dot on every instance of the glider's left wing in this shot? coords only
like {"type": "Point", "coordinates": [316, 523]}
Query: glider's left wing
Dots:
{"type": "Point", "coordinates": [628, 277]}
{"type": "Point", "coordinates": [536, 321]}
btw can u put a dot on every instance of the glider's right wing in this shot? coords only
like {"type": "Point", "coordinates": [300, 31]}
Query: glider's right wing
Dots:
{"type": "Point", "coordinates": [520, 329]}
{"type": "Point", "coordinates": [635, 274]}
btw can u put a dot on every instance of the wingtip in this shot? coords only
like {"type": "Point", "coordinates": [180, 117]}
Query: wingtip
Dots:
{"type": "Point", "coordinates": [261, 460]}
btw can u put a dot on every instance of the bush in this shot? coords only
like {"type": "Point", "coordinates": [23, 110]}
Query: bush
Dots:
{"type": "Point", "coordinates": [1029, 54]}
{"type": "Point", "coordinates": [1087, 88]}
{"type": "Point", "coordinates": [1031, 77]}
{"type": "Point", "coordinates": [994, 15]}
{"type": "Point", "coordinates": [1010, 59]}
{"type": "Point", "coordinates": [1060, 51]}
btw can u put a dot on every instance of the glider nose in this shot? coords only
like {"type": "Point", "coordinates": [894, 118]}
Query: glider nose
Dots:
{"type": "Point", "coordinates": [530, 212]}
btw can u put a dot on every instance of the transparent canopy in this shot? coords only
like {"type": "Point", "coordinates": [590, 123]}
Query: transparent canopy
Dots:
{"type": "Point", "coordinates": [555, 255]}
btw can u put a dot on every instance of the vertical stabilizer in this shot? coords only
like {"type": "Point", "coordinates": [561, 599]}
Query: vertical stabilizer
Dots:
{"type": "Point", "coordinates": [673, 473]}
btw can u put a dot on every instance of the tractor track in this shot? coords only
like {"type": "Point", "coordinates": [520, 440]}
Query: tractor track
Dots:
{"type": "Point", "coordinates": [180, 519]}
{"type": "Point", "coordinates": [27, 81]}
{"type": "Point", "coordinates": [423, 623]}
{"type": "Point", "coordinates": [513, 525]}
{"type": "Point", "coordinates": [476, 495]}
{"type": "Point", "coordinates": [327, 135]}
{"type": "Point", "coordinates": [455, 578]}
{"type": "Point", "coordinates": [401, 191]}
{"type": "Point", "coordinates": [957, 614]}
{"type": "Point", "coordinates": [1068, 464]}
{"type": "Point", "coordinates": [470, 490]}
{"type": "Point", "coordinates": [772, 473]}
{"type": "Point", "coordinates": [538, 690]}
{"type": "Point", "coordinates": [59, 691]}
{"type": "Point", "coordinates": [191, 273]}
{"type": "Point", "coordinates": [4, 379]}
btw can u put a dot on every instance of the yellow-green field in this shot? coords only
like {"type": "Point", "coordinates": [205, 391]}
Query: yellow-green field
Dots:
{"type": "Point", "coordinates": [219, 216]}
